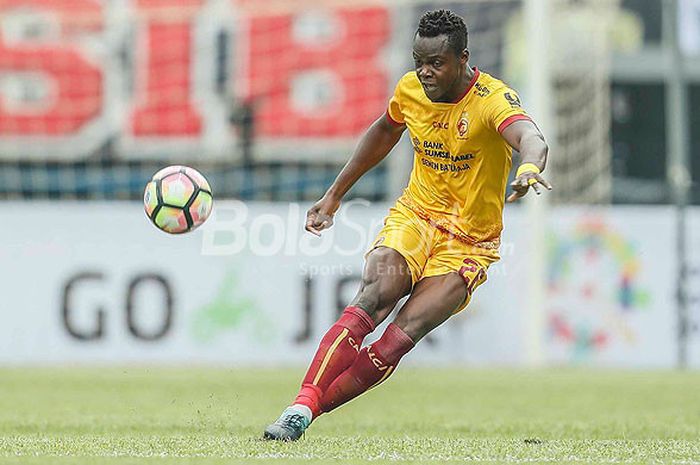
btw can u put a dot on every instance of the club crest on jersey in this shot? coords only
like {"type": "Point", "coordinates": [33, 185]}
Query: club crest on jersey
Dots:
{"type": "Point", "coordinates": [463, 126]}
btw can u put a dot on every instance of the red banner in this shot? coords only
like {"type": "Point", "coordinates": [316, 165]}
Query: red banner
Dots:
{"type": "Point", "coordinates": [310, 75]}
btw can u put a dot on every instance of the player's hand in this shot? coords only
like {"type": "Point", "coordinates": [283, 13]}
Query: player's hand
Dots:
{"type": "Point", "coordinates": [522, 184]}
{"type": "Point", "coordinates": [320, 216]}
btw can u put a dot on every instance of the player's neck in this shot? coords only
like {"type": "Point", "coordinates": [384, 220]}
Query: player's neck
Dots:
{"type": "Point", "coordinates": [468, 76]}
{"type": "Point", "coordinates": [461, 86]}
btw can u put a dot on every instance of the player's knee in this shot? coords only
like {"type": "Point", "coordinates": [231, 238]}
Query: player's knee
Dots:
{"type": "Point", "coordinates": [385, 262]}
{"type": "Point", "coordinates": [368, 297]}
{"type": "Point", "coordinates": [417, 322]}
{"type": "Point", "coordinates": [455, 287]}
{"type": "Point", "coordinates": [386, 279]}
{"type": "Point", "coordinates": [377, 303]}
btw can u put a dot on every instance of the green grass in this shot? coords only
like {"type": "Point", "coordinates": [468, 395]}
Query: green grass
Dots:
{"type": "Point", "coordinates": [208, 416]}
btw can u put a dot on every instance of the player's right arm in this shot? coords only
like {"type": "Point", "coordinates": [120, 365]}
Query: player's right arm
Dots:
{"type": "Point", "coordinates": [374, 146]}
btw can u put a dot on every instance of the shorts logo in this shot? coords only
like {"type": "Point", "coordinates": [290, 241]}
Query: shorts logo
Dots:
{"type": "Point", "coordinates": [463, 126]}
{"type": "Point", "coordinates": [473, 274]}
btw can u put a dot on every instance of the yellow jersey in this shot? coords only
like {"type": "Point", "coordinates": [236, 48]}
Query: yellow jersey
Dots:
{"type": "Point", "coordinates": [461, 161]}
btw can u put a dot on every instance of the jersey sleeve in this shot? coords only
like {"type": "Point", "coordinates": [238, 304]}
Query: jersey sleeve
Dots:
{"type": "Point", "coordinates": [504, 108]}
{"type": "Point", "coordinates": [393, 111]}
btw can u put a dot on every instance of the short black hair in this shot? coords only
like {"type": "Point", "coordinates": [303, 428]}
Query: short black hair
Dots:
{"type": "Point", "coordinates": [439, 22]}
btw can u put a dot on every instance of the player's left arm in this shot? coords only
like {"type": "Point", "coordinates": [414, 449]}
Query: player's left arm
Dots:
{"type": "Point", "coordinates": [525, 137]}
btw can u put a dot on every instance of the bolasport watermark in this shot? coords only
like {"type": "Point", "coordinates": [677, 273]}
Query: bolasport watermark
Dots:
{"type": "Point", "coordinates": [236, 227]}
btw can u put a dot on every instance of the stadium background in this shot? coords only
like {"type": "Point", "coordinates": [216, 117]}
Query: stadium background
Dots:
{"type": "Point", "coordinates": [267, 99]}
{"type": "Point", "coordinates": [121, 344]}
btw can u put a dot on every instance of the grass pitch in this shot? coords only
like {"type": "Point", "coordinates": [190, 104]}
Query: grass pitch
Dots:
{"type": "Point", "coordinates": [207, 416]}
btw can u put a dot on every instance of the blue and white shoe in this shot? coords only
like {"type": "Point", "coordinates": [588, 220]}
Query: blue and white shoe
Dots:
{"type": "Point", "coordinates": [291, 425]}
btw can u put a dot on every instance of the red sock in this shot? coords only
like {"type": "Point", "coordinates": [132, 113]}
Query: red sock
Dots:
{"type": "Point", "coordinates": [372, 366]}
{"type": "Point", "coordinates": [336, 352]}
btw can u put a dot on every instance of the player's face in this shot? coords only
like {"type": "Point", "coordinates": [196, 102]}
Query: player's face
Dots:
{"type": "Point", "coordinates": [438, 68]}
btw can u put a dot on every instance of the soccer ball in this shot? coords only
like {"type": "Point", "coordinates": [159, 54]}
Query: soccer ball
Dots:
{"type": "Point", "coordinates": [177, 199]}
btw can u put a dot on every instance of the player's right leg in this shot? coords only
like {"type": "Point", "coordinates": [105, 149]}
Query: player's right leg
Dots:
{"type": "Point", "coordinates": [433, 300]}
{"type": "Point", "coordinates": [386, 278]}
{"type": "Point", "coordinates": [449, 277]}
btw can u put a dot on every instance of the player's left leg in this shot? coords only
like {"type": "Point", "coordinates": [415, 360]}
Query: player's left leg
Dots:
{"type": "Point", "coordinates": [432, 302]}
{"type": "Point", "coordinates": [385, 279]}
{"type": "Point", "coordinates": [394, 263]}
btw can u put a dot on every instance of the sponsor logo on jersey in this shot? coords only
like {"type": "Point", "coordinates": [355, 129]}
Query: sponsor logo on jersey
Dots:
{"type": "Point", "coordinates": [440, 125]}
{"type": "Point", "coordinates": [416, 145]}
{"type": "Point", "coordinates": [513, 99]}
{"type": "Point", "coordinates": [481, 90]}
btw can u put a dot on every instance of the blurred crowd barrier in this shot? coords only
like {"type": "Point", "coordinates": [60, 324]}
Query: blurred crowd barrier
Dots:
{"type": "Point", "coordinates": [266, 99]}
{"type": "Point", "coordinates": [166, 76]}
{"type": "Point", "coordinates": [98, 94]}
{"type": "Point", "coordinates": [251, 288]}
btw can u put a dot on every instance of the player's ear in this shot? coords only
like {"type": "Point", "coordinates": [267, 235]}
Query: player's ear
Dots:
{"type": "Point", "coordinates": [464, 57]}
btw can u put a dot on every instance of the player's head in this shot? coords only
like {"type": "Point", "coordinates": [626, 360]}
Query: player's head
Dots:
{"type": "Point", "coordinates": [440, 52]}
